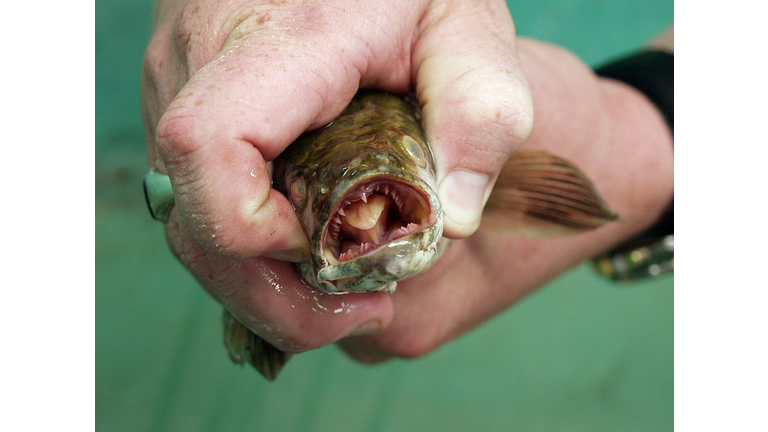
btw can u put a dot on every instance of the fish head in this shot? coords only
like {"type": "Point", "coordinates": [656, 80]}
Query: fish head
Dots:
{"type": "Point", "coordinates": [364, 189]}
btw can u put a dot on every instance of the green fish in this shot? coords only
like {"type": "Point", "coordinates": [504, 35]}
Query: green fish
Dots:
{"type": "Point", "coordinates": [364, 189]}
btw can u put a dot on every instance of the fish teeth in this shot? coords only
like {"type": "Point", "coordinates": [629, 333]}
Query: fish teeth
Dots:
{"type": "Point", "coordinates": [334, 228]}
{"type": "Point", "coordinates": [341, 212]}
{"type": "Point", "coordinates": [365, 248]}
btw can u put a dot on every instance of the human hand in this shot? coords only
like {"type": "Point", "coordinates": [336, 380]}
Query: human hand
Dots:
{"type": "Point", "coordinates": [227, 85]}
{"type": "Point", "coordinates": [610, 131]}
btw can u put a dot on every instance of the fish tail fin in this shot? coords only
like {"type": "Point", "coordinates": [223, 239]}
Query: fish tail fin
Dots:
{"type": "Point", "coordinates": [243, 346]}
{"type": "Point", "coordinates": [539, 194]}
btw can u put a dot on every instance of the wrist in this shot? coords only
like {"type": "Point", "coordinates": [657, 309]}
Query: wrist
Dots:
{"type": "Point", "coordinates": [648, 156]}
{"type": "Point", "coordinates": [650, 75]}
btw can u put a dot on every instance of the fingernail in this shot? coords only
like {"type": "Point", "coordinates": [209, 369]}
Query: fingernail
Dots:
{"type": "Point", "coordinates": [367, 328]}
{"type": "Point", "coordinates": [462, 194]}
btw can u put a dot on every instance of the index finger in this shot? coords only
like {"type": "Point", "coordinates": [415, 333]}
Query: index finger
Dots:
{"type": "Point", "coordinates": [234, 115]}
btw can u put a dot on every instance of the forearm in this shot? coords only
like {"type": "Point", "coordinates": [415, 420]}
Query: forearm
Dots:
{"type": "Point", "coordinates": [609, 129]}
{"type": "Point", "coordinates": [664, 41]}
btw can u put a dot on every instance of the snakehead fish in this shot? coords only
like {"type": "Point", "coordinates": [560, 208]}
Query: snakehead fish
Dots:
{"type": "Point", "coordinates": [364, 189]}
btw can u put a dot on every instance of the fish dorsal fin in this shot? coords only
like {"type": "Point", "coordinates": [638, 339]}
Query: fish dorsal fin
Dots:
{"type": "Point", "coordinates": [539, 194]}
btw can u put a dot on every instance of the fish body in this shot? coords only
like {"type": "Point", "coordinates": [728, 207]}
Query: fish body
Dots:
{"type": "Point", "coordinates": [364, 189]}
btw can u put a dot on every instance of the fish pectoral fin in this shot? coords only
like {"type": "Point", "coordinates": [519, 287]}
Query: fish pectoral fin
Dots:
{"type": "Point", "coordinates": [243, 346]}
{"type": "Point", "coordinates": [539, 194]}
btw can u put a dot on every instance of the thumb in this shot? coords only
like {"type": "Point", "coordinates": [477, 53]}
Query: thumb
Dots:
{"type": "Point", "coordinates": [243, 104]}
{"type": "Point", "coordinates": [476, 105]}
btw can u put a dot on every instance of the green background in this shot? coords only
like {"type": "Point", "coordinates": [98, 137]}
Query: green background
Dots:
{"type": "Point", "coordinates": [581, 354]}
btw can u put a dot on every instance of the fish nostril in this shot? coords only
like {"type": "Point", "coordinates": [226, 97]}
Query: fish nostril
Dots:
{"type": "Point", "coordinates": [298, 191]}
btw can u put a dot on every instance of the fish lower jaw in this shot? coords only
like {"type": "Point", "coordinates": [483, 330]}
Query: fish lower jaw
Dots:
{"type": "Point", "coordinates": [352, 250]}
{"type": "Point", "coordinates": [337, 251]}
{"type": "Point", "coordinates": [380, 269]}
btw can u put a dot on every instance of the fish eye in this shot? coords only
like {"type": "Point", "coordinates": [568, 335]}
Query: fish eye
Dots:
{"type": "Point", "coordinates": [414, 150]}
{"type": "Point", "coordinates": [298, 191]}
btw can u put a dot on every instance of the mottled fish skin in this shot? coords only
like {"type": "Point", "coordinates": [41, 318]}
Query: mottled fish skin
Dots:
{"type": "Point", "coordinates": [377, 139]}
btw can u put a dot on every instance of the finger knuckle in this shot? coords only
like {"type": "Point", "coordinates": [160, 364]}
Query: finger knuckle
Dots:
{"type": "Point", "coordinates": [500, 117]}
{"type": "Point", "coordinates": [176, 131]}
{"type": "Point", "coordinates": [192, 256]}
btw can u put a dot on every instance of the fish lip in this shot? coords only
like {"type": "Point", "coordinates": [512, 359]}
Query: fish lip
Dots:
{"type": "Point", "coordinates": [413, 253]}
{"type": "Point", "coordinates": [429, 233]}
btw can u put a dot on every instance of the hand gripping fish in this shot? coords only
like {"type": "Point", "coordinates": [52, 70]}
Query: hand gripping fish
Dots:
{"type": "Point", "coordinates": [364, 189]}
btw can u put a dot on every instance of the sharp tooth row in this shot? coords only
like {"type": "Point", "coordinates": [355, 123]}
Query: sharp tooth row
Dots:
{"type": "Point", "coordinates": [334, 228]}
{"type": "Point", "coordinates": [408, 229]}
{"type": "Point", "coordinates": [356, 251]}
{"type": "Point", "coordinates": [393, 191]}
{"type": "Point", "coordinates": [398, 200]}
{"type": "Point", "coordinates": [365, 247]}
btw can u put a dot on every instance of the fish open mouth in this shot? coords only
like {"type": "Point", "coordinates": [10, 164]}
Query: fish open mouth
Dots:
{"type": "Point", "coordinates": [373, 214]}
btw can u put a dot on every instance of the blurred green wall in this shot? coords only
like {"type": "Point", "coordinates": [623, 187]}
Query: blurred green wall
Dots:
{"type": "Point", "coordinates": [579, 355]}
